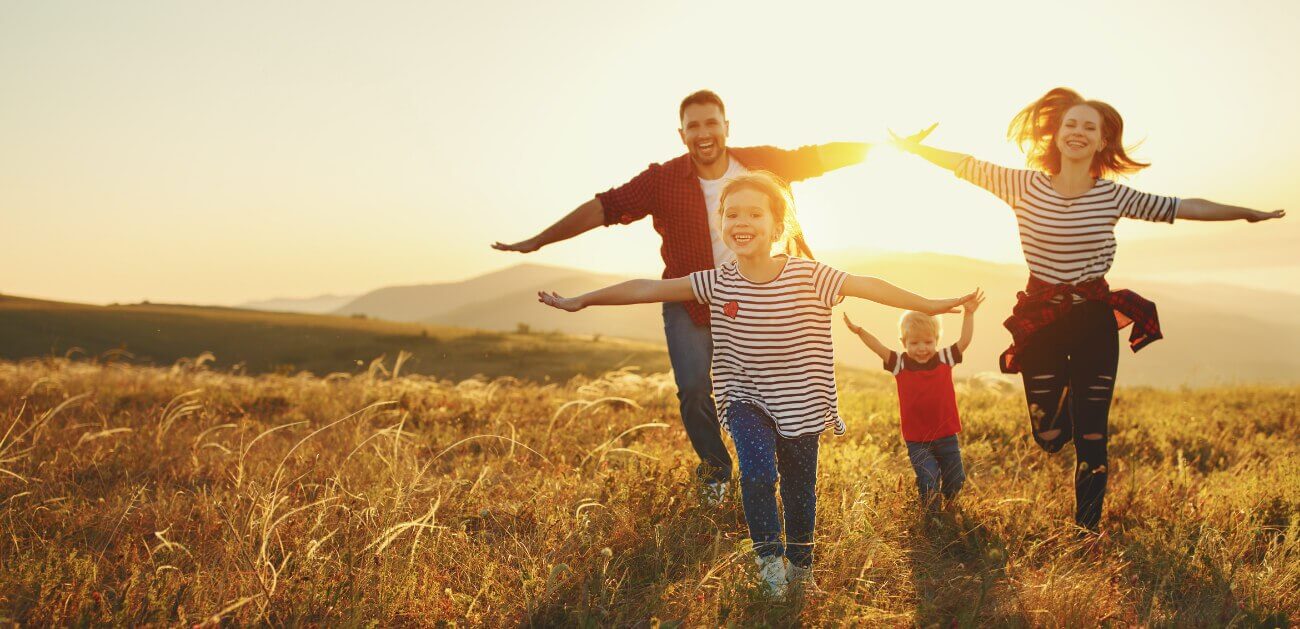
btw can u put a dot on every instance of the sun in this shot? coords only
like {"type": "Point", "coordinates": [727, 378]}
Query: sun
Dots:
{"type": "Point", "coordinates": [897, 202]}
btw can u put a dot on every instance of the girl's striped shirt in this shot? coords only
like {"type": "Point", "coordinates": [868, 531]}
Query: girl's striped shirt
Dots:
{"type": "Point", "coordinates": [772, 343]}
{"type": "Point", "coordinates": [1066, 240]}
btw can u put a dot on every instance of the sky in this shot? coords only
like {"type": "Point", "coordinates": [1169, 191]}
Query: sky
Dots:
{"type": "Point", "coordinates": [222, 152]}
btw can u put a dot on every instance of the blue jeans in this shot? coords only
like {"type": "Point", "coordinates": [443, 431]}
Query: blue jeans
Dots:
{"type": "Point", "coordinates": [690, 348]}
{"type": "Point", "coordinates": [938, 467]}
{"type": "Point", "coordinates": [766, 457]}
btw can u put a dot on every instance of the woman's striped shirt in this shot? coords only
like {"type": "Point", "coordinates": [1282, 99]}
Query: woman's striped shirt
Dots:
{"type": "Point", "coordinates": [772, 343]}
{"type": "Point", "coordinates": [1066, 240]}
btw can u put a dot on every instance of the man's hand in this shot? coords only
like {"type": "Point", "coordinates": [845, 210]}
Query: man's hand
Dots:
{"type": "Point", "coordinates": [554, 300]}
{"type": "Point", "coordinates": [523, 246]}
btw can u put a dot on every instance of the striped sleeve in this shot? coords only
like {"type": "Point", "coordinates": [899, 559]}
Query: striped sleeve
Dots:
{"type": "Point", "coordinates": [1145, 206]}
{"type": "Point", "coordinates": [827, 281]}
{"type": "Point", "coordinates": [893, 363]}
{"type": "Point", "coordinates": [702, 283]}
{"type": "Point", "coordinates": [950, 355]}
{"type": "Point", "coordinates": [1005, 183]}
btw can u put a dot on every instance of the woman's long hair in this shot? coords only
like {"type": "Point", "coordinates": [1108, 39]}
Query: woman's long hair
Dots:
{"type": "Point", "coordinates": [778, 195]}
{"type": "Point", "coordinates": [1036, 126]}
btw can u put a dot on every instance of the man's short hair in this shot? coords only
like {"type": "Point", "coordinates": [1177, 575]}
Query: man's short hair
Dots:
{"type": "Point", "coordinates": [702, 97]}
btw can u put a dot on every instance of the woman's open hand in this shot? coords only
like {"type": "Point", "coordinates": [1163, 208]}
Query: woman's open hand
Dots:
{"type": "Point", "coordinates": [910, 142]}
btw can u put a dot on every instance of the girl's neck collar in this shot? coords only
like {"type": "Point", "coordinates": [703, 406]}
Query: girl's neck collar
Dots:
{"type": "Point", "coordinates": [761, 269]}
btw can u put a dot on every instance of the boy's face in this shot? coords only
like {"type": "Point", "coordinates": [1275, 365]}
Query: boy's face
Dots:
{"type": "Point", "coordinates": [920, 345]}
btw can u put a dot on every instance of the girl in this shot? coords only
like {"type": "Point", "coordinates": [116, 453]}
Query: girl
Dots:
{"type": "Point", "coordinates": [773, 371]}
{"type": "Point", "coordinates": [1065, 324]}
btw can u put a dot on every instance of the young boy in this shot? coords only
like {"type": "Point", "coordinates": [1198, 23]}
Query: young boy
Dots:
{"type": "Point", "coordinates": [926, 400]}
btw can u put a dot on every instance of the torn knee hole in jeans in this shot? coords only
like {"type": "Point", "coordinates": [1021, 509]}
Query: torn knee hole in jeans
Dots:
{"type": "Point", "coordinates": [1083, 467]}
{"type": "Point", "coordinates": [1043, 377]}
{"type": "Point", "coordinates": [1048, 435]}
{"type": "Point", "coordinates": [1094, 436]}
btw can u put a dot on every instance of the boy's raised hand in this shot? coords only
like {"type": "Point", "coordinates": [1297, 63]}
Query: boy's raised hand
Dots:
{"type": "Point", "coordinates": [554, 300]}
{"type": "Point", "coordinates": [853, 327]}
{"type": "Point", "coordinates": [973, 304]}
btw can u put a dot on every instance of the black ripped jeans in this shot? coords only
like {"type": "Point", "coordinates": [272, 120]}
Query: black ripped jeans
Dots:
{"type": "Point", "coordinates": [1069, 373]}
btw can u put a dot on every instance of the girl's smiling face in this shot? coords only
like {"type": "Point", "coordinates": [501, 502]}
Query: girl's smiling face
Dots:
{"type": "Point", "coordinates": [748, 227]}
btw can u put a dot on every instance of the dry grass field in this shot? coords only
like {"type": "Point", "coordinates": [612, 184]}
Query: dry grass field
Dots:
{"type": "Point", "coordinates": [137, 495]}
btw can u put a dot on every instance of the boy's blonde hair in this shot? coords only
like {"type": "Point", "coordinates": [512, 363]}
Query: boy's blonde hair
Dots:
{"type": "Point", "coordinates": [919, 322]}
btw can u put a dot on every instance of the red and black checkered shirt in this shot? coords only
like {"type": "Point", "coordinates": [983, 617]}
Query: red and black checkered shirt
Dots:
{"type": "Point", "coordinates": [671, 194]}
{"type": "Point", "coordinates": [1042, 302]}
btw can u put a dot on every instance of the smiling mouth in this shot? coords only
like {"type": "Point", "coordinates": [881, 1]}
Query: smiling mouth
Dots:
{"type": "Point", "coordinates": [706, 146]}
{"type": "Point", "coordinates": [742, 239]}
{"type": "Point", "coordinates": [1075, 144]}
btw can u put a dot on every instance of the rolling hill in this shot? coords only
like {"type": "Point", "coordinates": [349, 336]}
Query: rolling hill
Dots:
{"type": "Point", "coordinates": [1213, 334]}
{"type": "Point", "coordinates": [281, 342]}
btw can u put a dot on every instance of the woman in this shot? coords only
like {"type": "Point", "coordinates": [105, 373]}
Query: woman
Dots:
{"type": "Point", "coordinates": [1065, 324]}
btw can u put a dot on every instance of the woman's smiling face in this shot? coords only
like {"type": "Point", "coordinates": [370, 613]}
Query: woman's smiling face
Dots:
{"type": "Point", "coordinates": [1079, 137]}
{"type": "Point", "coordinates": [748, 227]}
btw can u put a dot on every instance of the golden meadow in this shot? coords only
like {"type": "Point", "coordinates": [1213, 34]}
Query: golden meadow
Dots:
{"type": "Point", "coordinates": [184, 495]}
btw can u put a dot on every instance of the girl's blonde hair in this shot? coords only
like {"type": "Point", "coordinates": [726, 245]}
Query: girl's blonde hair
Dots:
{"type": "Point", "coordinates": [791, 242]}
{"type": "Point", "coordinates": [913, 320]}
{"type": "Point", "coordinates": [1036, 126]}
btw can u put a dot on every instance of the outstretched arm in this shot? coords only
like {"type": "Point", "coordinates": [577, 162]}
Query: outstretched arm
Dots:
{"type": "Point", "coordinates": [585, 217]}
{"type": "Point", "coordinates": [629, 292]}
{"type": "Point", "coordinates": [835, 155]}
{"type": "Point", "coordinates": [1202, 210]}
{"type": "Point", "coordinates": [882, 292]}
{"type": "Point", "coordinates": [968, 321]}
{"type": "Point", "coordinates": [939, 157]}
{"type": "Point", "coordinates": [868, 339]}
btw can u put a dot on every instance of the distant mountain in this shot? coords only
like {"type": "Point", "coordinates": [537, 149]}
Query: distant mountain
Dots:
{"type": "Point", "coordinates": [320, 304]}
{"type": "Point", "coordinates": [641, 322]}
{"type": "Point", "coordinates": [422, 301]}
{"type": "Point", "coordinates": [1213, 334]}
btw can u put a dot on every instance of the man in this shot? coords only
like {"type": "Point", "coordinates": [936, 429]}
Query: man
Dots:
{"type": "Point", "coordinates": [682, 197]}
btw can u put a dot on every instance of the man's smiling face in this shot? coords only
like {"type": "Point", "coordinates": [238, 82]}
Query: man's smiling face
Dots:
{"type": "Point", "coordinates": [704, 132]}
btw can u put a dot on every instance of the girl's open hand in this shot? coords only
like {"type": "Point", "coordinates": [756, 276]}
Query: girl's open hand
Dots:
{"type": "Point", "coordinates": [948, 306]}
{"type": "Point", "coordinates": [973, 304]}
{"type": "Point", "coordinates": [554, 300]}
{"type": "Point", "coordinates": [853, 327]}
{"type": "Point", "coordinates": [1258, 216]}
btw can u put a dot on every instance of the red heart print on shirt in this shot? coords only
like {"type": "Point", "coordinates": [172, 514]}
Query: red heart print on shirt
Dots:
{"type": "Point", "coordinates": [731, 309]}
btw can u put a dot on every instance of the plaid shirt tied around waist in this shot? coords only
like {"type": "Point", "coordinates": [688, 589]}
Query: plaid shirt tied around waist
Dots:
{"type": "Point", "coordinates": [1042, 302]}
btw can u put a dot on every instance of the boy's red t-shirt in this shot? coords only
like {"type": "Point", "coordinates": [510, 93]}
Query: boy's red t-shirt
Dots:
{"type": "Point", "coordinates": [927, 404]}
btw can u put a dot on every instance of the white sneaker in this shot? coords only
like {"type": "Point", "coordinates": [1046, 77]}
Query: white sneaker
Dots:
{"type": "Point", "coordinates": [771, 572]}
{"type": "Point", "coordinates": [801, 580]}
{"type": "Point", "coordinates": [715, 492]}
